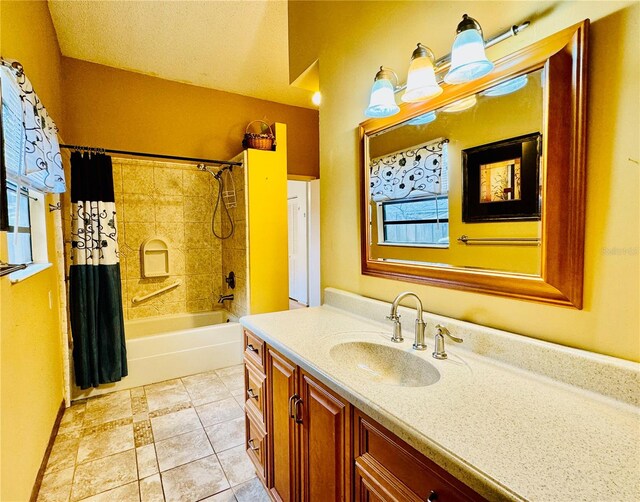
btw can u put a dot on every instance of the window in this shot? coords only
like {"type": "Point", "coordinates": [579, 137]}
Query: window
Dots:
{"type": "Point", "coordinates": [415, 222]}
{"type": "Point", "coordinates": [19, 243]}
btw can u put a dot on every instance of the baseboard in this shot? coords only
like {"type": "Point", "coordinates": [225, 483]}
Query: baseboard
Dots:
{"type": "Point", "coordinates": [45, 458]}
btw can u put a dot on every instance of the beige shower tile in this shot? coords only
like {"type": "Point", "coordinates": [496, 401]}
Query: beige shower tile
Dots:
{"type": "Point", "coordinates": [166, 308]}
{"type": "Point", "coordinates": [197, 209]}
{"type": "Point", "coordinates": [169, 208]}
{"type": "Point", "coordinates": [105, 443]}
{"type": "Point", "coordinates": [151, 489]}
{"type": "Point", "coordinates": [197, 235]}
{"type": "Point", "coordinates": [173, 234]}
{"type": "Point", "coordinates": [135, 234]}
{"type": "Point", "coordinates": [195, 480]}
{"type": "Point", "coordinates": [198, 261]}
{"type": "Point", "coordinates": [199, 287]}
{"type": "Point", "coordinates": [197, 183]}
{"type": "Point", "coordinates": [104, 474]}
{"type": "Point", "coordinates": [138, 208]}
{"type": "Point", "coordinates": [167, 181]}
{"type": "Point", "coordinates": [124, 493]}
{"type": "Point", "coordinates": [176, 262]}
{"type": "Point", "coordinates": [198, 305]}
{"type": "Point", "coordinates": [137, 179]}
{"type": "Point", "coordinates": [56, 486]}
{"type": "Point", "coordinates": [140, 312]}
{"type": "Point", "coordinates": [117, 177]}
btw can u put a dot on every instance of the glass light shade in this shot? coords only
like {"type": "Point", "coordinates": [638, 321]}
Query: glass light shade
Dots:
{"type": "Point", "coordinates": [425, 118]}
{"type": "Point", "coordinates": [382, 102]}
{"type": "Point", "coordinates": [461, 104]}
{"type": "Point", "coordinates": [468, 59]}
{"type": "Point", "coordinates": [421, 81]}
{"type": "Point", "coordinates": [513, 85]}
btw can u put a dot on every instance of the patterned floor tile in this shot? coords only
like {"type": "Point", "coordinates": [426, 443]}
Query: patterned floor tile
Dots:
{"type": "Point", "coordinates": [125, 493]}
{"type": "Point", "coordinates": [194, 481]}
{"type": "Point", "coordinates": [142, 433]}
{"type": "Point", "coordinates": [251, 491]}
{"type": "Point", "coordinates": [174, 424]}
{"type": "Point", "coordinates": [56, 486]}
{"type": "Point", "coordinates": [220, 411]}
{"type": "Point", "coordinates": [236, 465]}
{"type": "Point", "coordinates": [205, 388]}
{"type": "Point", "coordinates": [104, 474]}
{"type": "Point", "coordinates": [151, 489]}
{"type": "Point", "coordinates": [225, 496]}
{"type": "Point", "coordinates": [147, 462]}
{"type": "Point", "coordinates": [182, 449]}
{"type": "Point", "coordinates": [227, 434]}
{"type": "Point", "coordinates": [105, 443]}
{"type": "Point", "coordinates": [63, 455]}
{"type": "Point", "coordinates": [165, 394]}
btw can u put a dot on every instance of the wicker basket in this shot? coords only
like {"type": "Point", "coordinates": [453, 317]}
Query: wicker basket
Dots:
{"type": "Point", "coordinates": [259, 141]}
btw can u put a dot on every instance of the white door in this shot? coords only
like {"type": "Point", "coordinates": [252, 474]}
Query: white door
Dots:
{"type": "Point", "coordinates": [298, 278]}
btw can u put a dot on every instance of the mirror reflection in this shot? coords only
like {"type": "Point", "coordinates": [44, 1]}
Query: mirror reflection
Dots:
{"type": "Point", "coordinates": [460, 186]}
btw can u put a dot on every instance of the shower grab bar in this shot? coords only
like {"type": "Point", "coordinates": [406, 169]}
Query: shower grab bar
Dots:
{"type": "Point", "coordinates": [139, 299]}
{"type": "Point", "coordinates": [532, 241]}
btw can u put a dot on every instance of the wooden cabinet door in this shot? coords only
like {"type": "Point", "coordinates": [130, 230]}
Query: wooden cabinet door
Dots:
{"type": "Point", "coordinates": [281, 428]}
{"type": "Point", "coordinates": [325, 443]}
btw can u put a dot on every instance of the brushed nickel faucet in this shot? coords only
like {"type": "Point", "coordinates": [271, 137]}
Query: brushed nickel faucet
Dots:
{"type": "Point", "coordinates": [418, 344]}
{"type": "Point", "coordinates": [441, 331]}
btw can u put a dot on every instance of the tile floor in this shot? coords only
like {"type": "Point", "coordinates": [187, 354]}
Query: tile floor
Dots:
{"type": "Point", "coordinates": [177, 441]}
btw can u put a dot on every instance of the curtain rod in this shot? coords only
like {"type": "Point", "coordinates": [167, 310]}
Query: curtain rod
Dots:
{"type": "Point", "coordinates": [152, 155]}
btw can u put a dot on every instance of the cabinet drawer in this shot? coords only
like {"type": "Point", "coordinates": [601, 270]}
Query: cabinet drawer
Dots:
{"type": "Point", "coordinates": [255, 392]}
{"type": "Point", "coordinates": [256, 444]}
{"type": "Point", "coordinates": [254, 349]}
{"type": "Point", "coordinates": [385, 456]}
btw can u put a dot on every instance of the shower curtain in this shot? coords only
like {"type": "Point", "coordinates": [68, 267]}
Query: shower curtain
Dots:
{"type": "Point", "coordinates": [95, 296]}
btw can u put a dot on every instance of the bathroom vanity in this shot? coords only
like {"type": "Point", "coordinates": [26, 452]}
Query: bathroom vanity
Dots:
{"type": "Point", "coordinates": [336, 411]}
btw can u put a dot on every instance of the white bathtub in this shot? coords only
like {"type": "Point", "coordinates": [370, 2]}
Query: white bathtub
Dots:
{"type": "Point", "coordinates": [165, 347]}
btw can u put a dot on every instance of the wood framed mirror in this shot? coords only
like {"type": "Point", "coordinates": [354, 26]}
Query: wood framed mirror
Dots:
{"type": "Point", "coordinates": [514, 160]}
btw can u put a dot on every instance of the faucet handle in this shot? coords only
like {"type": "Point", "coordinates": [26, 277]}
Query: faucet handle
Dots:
{"type": "Point", "coordinates": [397, 328]}
{"type": "Point", "coordinates": [394, 317]}
{"type": "Point", "coordinates": [442, 330]}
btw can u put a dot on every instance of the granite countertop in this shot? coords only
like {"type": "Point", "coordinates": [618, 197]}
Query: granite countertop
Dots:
{"type": "Point", "coordinates": [506, 432]}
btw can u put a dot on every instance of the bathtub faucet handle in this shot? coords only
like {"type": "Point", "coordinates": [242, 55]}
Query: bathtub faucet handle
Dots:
{"type": "Point", "coordinates": [223, 298]}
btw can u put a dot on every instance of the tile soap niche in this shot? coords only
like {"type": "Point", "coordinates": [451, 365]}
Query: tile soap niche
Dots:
{"type": "Point", "coordinates": [154, 257]}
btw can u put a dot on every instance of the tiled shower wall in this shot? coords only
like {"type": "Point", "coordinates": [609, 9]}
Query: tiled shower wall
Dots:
{"type": "Point", "coordinates": [234, 249]}
{"type": "Point", "coordinates": [173, 202]}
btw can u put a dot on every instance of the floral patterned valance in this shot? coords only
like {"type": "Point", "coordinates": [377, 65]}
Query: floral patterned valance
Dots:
{"type": "Point", "coordinates": [32, 153]}
{"type": "Point", "coordinates": [420, 171]}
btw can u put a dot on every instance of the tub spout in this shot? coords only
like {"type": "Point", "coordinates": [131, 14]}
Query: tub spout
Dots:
{"type": "Point", "coordinates": [225, 297]}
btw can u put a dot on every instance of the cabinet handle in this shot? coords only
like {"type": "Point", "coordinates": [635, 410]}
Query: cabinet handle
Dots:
{"type": "Point", "coordinates": [251, 394]}
{"type": "Point", "coordinates": [252, 348]}
{"type": "Point", "coordinates": [433, 496]}
{"type": "Point", "coordinates": [255, 448]}
{"type": "Point", "coordinates": [296, 409]}
{"type": "Point", "coordinates": [295, 396]}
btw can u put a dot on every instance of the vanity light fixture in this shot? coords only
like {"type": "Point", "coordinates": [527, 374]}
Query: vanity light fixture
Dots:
{"type": "Point", "coordinates": [421, 79]}
{"type": "Point", "coordinates": [423, 119]}
{"type": "Point", "coordinates": [382, 102]}
{"type": "Point", "coordinates": [468, 59]}
{"type": "Point", "coordinates": [468, 62]}
{"type": "Point", "coordinates": [513, 85]}
{"type": "Point", "coordinates": [316, 99]}
{"type": "Point", "coordinates": [461, 104]}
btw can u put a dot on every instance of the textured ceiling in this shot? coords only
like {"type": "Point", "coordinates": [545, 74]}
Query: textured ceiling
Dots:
{"type": "Point", "coordinates": [235, 45]}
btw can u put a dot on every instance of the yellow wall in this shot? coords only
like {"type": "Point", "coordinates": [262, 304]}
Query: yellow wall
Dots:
{"type": "Point", "coordinates": [31, 362]}
{"type": "Point", "coordinates": [268, 227]}
{"type": "Point", "coordinates": [385, 33]}
{"type": "Point", "coordinates": [123, 110]}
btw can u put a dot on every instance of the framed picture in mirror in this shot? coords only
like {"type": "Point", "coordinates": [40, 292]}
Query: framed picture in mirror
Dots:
{"type": "Point", "coordinates": [501, 180]}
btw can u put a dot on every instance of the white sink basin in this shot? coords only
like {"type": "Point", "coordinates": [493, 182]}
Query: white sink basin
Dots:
{"type": "Point", "coordinates": [384, 364]}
